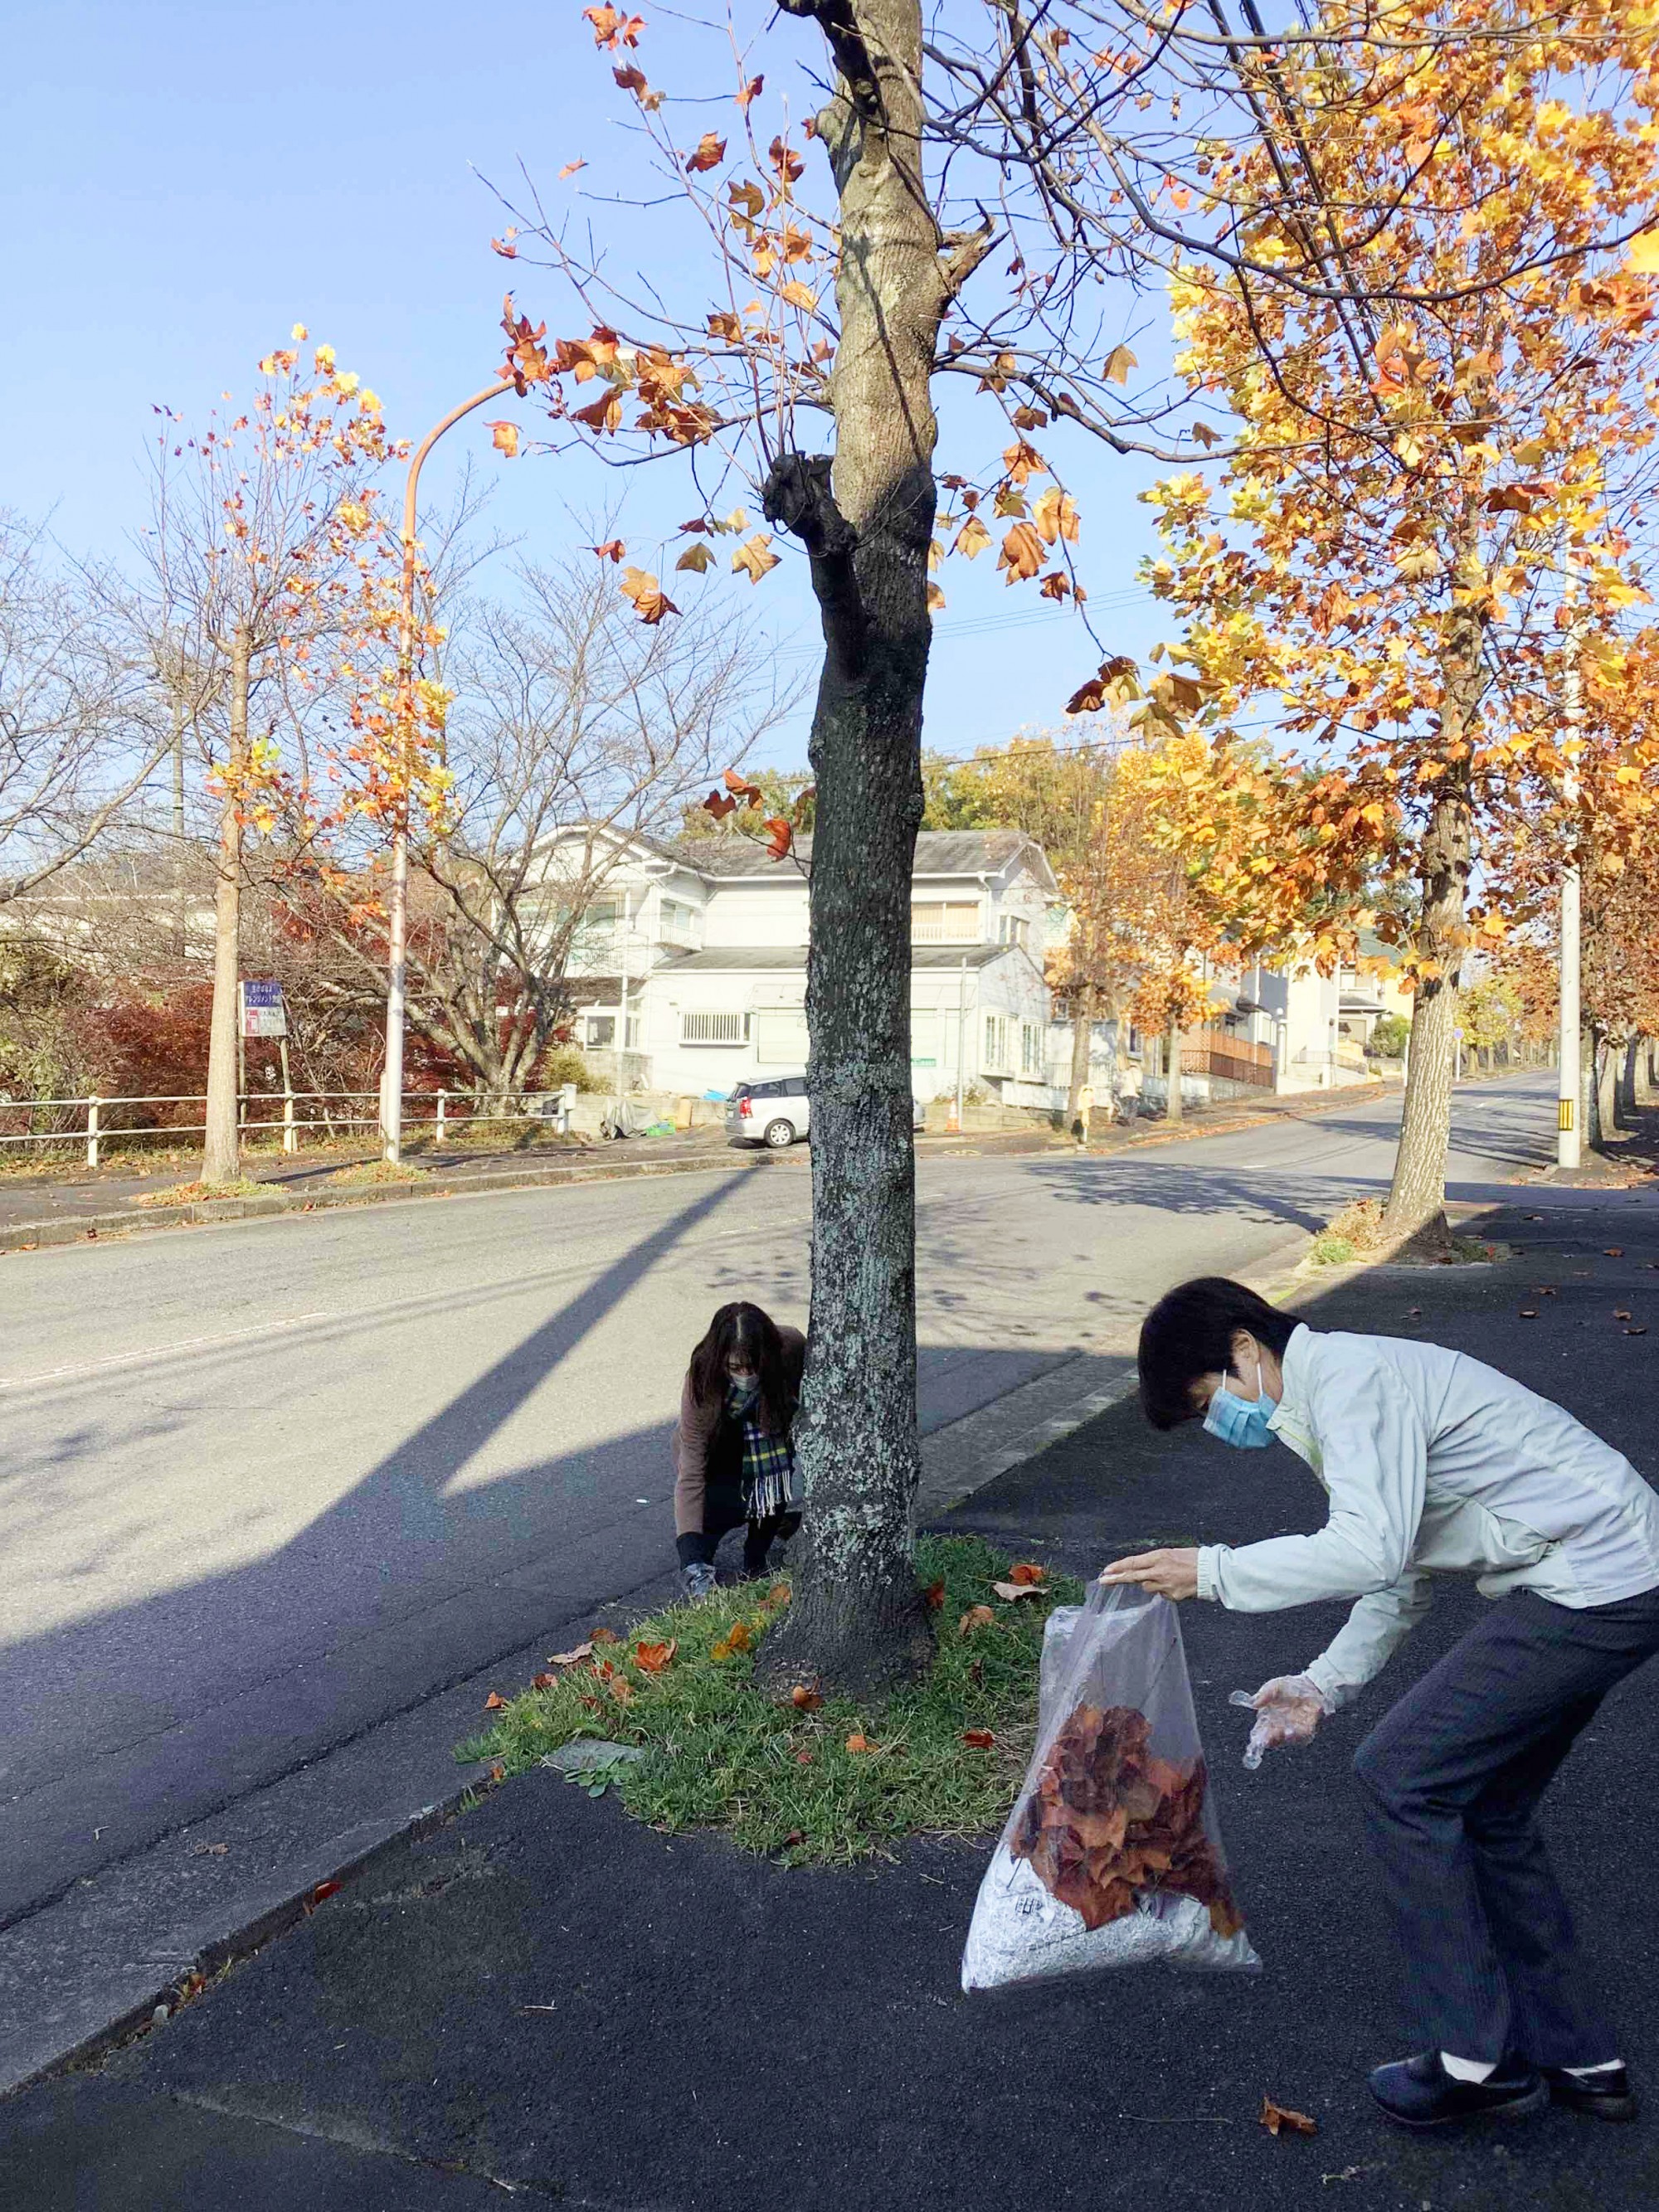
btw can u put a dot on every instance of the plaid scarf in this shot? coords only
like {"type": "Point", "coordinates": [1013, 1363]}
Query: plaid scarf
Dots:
{"type": "Point", "coordinates": [768, 1462]}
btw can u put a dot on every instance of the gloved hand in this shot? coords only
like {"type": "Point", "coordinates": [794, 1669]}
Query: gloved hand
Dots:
{"type": "Point", "coordinates": [1287, 1711]}
{"type": "Point", "coordinates": [697, 1580]}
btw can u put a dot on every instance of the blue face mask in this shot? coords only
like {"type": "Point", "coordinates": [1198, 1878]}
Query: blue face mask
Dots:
{"type": "Point", "coordinates": [1242, 1421]}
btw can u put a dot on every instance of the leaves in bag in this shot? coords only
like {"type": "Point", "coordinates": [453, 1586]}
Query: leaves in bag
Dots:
{"type": "Point", "coordinates": [1107, 1819]}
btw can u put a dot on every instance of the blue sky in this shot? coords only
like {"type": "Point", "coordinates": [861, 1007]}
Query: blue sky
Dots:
{"type": "Point", "coordinates": [180, 182]}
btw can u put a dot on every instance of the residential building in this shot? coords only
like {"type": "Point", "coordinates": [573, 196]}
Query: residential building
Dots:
{"type": "Point", "coordinates": [692, 962]}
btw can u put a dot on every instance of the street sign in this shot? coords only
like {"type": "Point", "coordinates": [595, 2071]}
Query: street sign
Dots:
{"type": "Point", "coordinates": [263, 1014]}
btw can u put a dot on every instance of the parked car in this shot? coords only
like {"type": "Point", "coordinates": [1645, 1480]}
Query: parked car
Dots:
{"type": "Point", "coordinates": [776, 1112]}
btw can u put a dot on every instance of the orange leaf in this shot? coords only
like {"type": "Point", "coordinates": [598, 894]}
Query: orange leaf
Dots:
{"type": "Point", "coordinates": [751, 91]}
{"type": "Point", "coordinates": [978, 1738]}
{"type": "Point", "coordinates": [1029, 1571]}
{"type": "Point", "coordinates": [1021, 554]}
{"type": "Point", "coordinates": [781, 839]}
{"type": "Point", "coordinates": [651, 1658]}
{"type": "Point", "coordinates": [778, 1595]}
{"type": "Point", "coordinates": [570, 169]}
{"type": "Point", "coordinates": [857, 1742]}
{"type": "Point", "coordinates": [975, 1618]}
{"type": "Point", "coordinates": [603, 414]}
{"type": "Point", "coordinates": [612, 550]}
{"type": "Point", "coordinates": [738, 1636]}
{"type": "Point", "coordinates": [504, 436]}
{"type": "Point", "coordinates": [803, 1700]}
{"type": "Point", "coordinates": [621, 1689]}
{"type": "Point", "coordinates": [542, 1681]}
{"type": "Point", "coordinates": [934, 1595]}
{"type": "Point", "coordinates": [605, 1636]}
{"type": "Point", "coordinates": [498, 1772]}
{"type": "Point", "coordinates": [505, 247]}
{"type": "Point", "coordinates": [720, 1650]}
{"type": "Point", "coordinates": [710, 154]}
{"type": "Point", "coordinates": [1278, 2117]}
{"type": "Point", "coordinates": [611, 29]}
{"type": "Point", "coordinates": [493, 1702]}
{"type": "Point", "coordinates": [649, 602]}
{"type": "Point", "coordinates": [1615, 1251]}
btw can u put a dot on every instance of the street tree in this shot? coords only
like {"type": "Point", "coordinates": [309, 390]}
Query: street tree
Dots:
{"type": "Point", "coordinates": [268, 572]}
{"type": "Point", "coordinates": [1380, 558]}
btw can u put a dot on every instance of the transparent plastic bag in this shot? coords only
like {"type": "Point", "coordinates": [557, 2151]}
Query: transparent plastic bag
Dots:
{"type": "Point", "coordinates": [1112, 1855]}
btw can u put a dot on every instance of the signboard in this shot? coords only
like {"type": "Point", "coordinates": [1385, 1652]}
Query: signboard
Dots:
{"type": "Point", "coordinates": [263, 1014]}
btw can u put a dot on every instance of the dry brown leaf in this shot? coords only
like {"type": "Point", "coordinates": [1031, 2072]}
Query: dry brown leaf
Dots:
{"type": "Point", "coordinates": [569, 1658]}
{"type": "Point", "coordinates": [1013, 1590]}
{"type": "Point", "coordinates": [933, 1595]}
{"type": "Point", "coordinates": [1028, 1570]}
{"type": "Point", "coordinates": [1279, 2118]}
{"type": "Point", "coordinates": [710, 154]}
{"type": "Point", "coordinates": [803, 1698]}
{"type": "Point", "coordinates": [493, 1702]}
{"type": "Point", "coordinates": [606, 1636]}
{"type": "Point", "coordinates": [696, 558]}
{"type": "Point", "coordinates": [652, 1658]}
{"type": "Point", "coordinates": [975, 1618]}
{"type": "Point", "coordinates": [754, 557]}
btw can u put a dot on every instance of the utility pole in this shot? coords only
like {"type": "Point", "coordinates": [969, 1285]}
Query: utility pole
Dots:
{"type": "Point", "coordinates": [1568, 1136]}
{"type": "Point", "coordinates": [954, 1124]}
{"type": "Point", "coordinates": [392, 1077]}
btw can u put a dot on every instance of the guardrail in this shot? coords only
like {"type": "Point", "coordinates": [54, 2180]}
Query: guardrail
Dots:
{"type": "Point", "coordinates": [450, 1109]}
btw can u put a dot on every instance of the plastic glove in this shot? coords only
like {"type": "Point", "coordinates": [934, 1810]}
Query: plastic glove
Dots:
{"type": "Point", "coordinates": [696, 1580]}
{"type": "Point", "coordinates": [1287, 1711]}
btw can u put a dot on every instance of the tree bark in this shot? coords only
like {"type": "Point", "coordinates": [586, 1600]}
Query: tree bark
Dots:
{"type": "Point", "coordinates": [1417, 1196]}
{"type": "Point", "coordinates": [1172, 1071]}
{"type": "Point", "coordinates": [221, 1149]}
{"type": "Point", "coordinates": [1083, 1038]}
{"type": "Point", "coordinates": [858, 1621]}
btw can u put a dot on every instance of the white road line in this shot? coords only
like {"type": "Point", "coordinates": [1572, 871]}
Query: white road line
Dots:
{"type": "Point", "coordinates": [164, 1351]}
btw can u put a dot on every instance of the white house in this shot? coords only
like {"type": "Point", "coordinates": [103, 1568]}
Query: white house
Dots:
{"type": "Point", "coordinates": [692, 961]}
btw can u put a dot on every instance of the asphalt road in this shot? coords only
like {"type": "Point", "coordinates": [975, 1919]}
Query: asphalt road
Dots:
{"type": "Point", "coordinates": [267, 1484]}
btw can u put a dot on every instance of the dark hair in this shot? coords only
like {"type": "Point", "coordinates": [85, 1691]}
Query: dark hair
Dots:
{"type": "Point", "coordinates": [744, 1327]}
{"type": "Point", "coordinates": [1189, 1333]}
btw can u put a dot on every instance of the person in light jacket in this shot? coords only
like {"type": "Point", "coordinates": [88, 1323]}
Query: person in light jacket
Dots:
{"type": "Point", "coordinates": [735, 1461]}
{"type": "Point", "coordinates": [1434, 1463]}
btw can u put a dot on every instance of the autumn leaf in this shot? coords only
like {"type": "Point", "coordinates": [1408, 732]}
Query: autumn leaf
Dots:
{"type": "Point", "coordinates": [696, 558]}
{"type": "Point", "coordinates": [652, 1658]}
{"type": "Point", "coordinates": [936, 599]}
{"type": "Point", "coordinates": [857, 1742]}
{"type": "Point", "coordinates": [740, 787]}
{"type": "Point", "coordinates": [603, 413]}
{"type": "Point", "coordinates": [799, 295]}
{"type": "Point", "coordinates": [975, 1618]}
{"type": "Point", "coordinates": [1279, 2118]}
{"type": "Point", "coordinates": [621, 1689]}
{"type": "Point", "coordinates": [493, 1702]}
{"type": "Point", "coordinates": [1614, 1251]}
{"type": "Point", "coordinates": [754, 557]}
{"type": "Point", "coordinates": [778, 1595]}
{"type": "Point", "coordinates": [505, 247]}
{"type": "Point", "coordinates": [1021, 553]}
{"type": "Point", "coordinates": [933, 1595]}
{"type": "Point", "coordinates": [1027, 1571]}
{"type": "Point", "coordinates": [542, 1681]}
{"type": "Point", "coordinates": [782, 838]}
{"type": "Point", "coordinates": [1056, 585]}
{"type": "Point", "coordinates": [606, 1636]}
{"type": "Point", "coordinates": [611, 29]}
{"type": "Point", "coordinates": [973, 538]}
{"type": "Point", "coordinates": [787, 163]}
{"type": "Point", "coordinates": [569, 1658]}
{"type": "Point", "coordinates": [720, 1650]}
{"type": "Point", "coordinates": [640, 587]}
{"type": "Point", "coordinates": [805, 1700]}
{"type": "Point", "coordinates": [1055, 516]}
{"type": "Point", "coordinates": [1013, 1590]}
{"type": "Point", "coordinates": [738, 1636]}
{"type": "Point", "coordinates": [978, 1738]}
{"type": "Point", "coordinates": [504, 436]}
{"type": "Point", "coordinates": [710, 154]}
{"type": "Point", "coordinates": [1118, 363]}
{"type": "Point", "coordinates": [571, 167]}
{"type": "Point", "coordinates": [750, 92]}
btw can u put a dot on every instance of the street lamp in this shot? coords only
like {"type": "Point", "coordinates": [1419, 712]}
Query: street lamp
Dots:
{"type": "Point", "coordinates": [391, 1079]}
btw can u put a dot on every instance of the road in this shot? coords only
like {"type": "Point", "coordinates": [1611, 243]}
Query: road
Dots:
{"type": "Point", "coordinates": [266, 1484]}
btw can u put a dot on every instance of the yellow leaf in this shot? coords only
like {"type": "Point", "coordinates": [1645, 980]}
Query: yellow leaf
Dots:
{"type": "Point", "coordinates": [1643, 259]}
{"type": "Point", "coordinates": [799, 295]}
{"type": "Point", "coordinates": [935, 599]}
{"type": "Point", "coordinates": [754, 557]}
{"type": "Point", "coordinates": [1118, 364]}
{"type": "Point", "coordinates": [697, 558]}
{"type": "Point", "coordinates": [973, 538]}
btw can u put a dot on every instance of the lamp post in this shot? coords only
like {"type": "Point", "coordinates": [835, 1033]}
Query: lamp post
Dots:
{"type": "Point", "coordinates": [391, 1079]}
{"type": "Point", "coordinates": [1569, 1135]}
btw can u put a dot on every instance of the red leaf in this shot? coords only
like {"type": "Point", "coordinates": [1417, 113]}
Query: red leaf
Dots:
{"type": "Point", "coordinates": [781, 839]}
{"type": "Point", "coordinates": [612, 550]}
{"type": "Point", "coordinates": [934, 1595]}
{"type": "Point", "coordinates": [978, 1738]}
{"type": "Point", "coordinates": [1029, 1571]}
{"type": "Point", "coordinates": [325, 1889]}
{"type": "Point", "coordinates": [710, 154]}
{"type": "Point", "coordinates": [803, 1700]}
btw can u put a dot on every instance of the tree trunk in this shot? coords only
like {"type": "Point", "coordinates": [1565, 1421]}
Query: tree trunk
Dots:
{"type": "Point", "coordinates": [1417, 1196]}
{"type": "Point", "coordinates": [858, 1621]}
{"type": "Point", "coordinates": [221, 1152]}
{"type": "Point", "coordinates": [1172, 1071]}
{"type": "Point", "coordinates": [1083, 1038]}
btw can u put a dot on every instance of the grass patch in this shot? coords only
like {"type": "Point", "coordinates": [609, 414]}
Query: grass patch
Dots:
{"type": "Point", "coordinates": [191, 1194]}
{"type": "Point", "coordinates": [368, 1174]}
{"type": "Point", "coordinates": [1330, 1251]}
{"type": "Point", "coordinates": [1359, 1232]}
{"type": "Point", "coordinates": [813, 1785]}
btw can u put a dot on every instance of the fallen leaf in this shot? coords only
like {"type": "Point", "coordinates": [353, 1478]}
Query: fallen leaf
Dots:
{"type": "Point", "coordinates": [803, 1758]}
{"type": "Point", "coordinates": [1027, 1571]}
{"type": "Point", "coordinates": [1278, 2117]}
{"type": "Point", "coordinates": [778, 1595]}
{"type": "Point", "coordinates": [857, 1742]}
{"type": "Point", "coordinates": [738, 1636]}
{"type": "Point", "coordinates": [208, 1850]}
{"type": "Point", "coordinates": [498, 1772]}
{"type": "Point", "coordinates": [493, 1702]}
{"type": "Point", "coordinates": [1640, 1329]}
{"type": "Point", "coordinates": [569, 1658]}
{"type": "Point", "coordinates": [803, 1700]}
{"type": "Point", "coordinates": [542, 1681]}
{"type": "Point", "coordinates": [1619, 1314]}
{"type": "Point", "coordinates": [604, 1636]}
{"type": "Point", "coordinates": [325, 1889]}
{"type": "Point", "coordinates": [621, 1689]}
{"type": "Point", "coordinates": [794, 1836]}
{"type": "Point", "coordinates": [651, 1658]}
{"type": "Point", "coordinates": [1528, 1313]}
{"type": "Point", "coordinates": [1615, 1251]}
{"type": "Point", "coordinates": [1011, 1590]}
{"type": "Point", "coordinates": [720, 1650]}
{"type": "Point", "coordinates": [934, 1595]}
{"type": "Point", "coordinates": [975, 1618]}
{"type": "Point", "coordinates": [978, 1738]}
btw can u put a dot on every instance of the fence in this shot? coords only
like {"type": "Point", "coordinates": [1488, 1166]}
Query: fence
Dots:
{"type": "Point", "coordinates": [96, 1121]}
{"type": "Point", "coordinates": [1233, 1059]}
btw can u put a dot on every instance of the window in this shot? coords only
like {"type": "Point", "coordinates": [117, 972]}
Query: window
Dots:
{"type": "Point", "coordinates": [1013, 929]}
{"type": "Point", "coordinates": [996, 1042]}
{"type": "Point", "coordinates": [713, 1029]}
{"type": "Point", "coordinates": [603, 913]}
{"type": "Point", "coordinates": [679, 922]}
{"type": "Point", "coordinates": [944, 921]}
{"type": "Point", "coordinates": [1030, 1049]}
{"type": "Point", "coordinates": [601, 1032]}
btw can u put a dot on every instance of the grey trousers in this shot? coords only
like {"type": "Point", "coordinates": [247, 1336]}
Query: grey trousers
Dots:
{"type": "Point", "coordinates": [1451, 1779]}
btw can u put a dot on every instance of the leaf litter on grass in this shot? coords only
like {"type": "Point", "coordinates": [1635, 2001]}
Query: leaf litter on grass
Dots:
{"type": "Point", "coordinates": [802, 1774]}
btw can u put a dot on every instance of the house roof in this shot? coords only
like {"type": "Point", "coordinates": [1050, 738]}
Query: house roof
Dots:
{"type": "Point", "coordinates": [938, 853]}
{"type": "Point", "coordinates": [744, 959]}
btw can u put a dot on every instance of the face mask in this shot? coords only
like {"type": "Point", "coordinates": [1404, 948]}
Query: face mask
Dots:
{"type": "Point", "coordinates": [1242, 1421]}
{"type": "Point", "coordinates": [742, 1392]}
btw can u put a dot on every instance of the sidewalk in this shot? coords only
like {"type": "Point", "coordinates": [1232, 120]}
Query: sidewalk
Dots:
{"type": "Point", "coordinates": [546, 1998]}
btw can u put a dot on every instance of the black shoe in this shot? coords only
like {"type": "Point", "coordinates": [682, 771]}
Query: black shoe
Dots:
{"type": "Point", "coordinates": [1418, 2092]}
{"type": "Point", "coordinates": [1608, 2096]}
